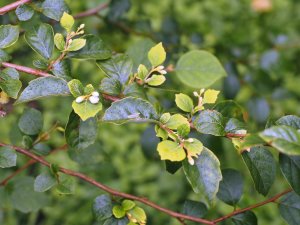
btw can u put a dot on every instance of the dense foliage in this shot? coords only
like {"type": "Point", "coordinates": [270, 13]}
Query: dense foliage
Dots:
{"type": "Point", "coordinates": [188, 104]}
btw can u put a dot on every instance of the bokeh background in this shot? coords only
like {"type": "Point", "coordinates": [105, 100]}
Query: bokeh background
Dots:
{"type": "Point", "coordinates": [257, 42]}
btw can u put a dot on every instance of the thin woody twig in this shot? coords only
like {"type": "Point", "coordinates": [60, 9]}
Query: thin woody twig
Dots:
{"type": "Point", "coordinates": [26, 69]}
{"type": "Point", "coordinates": [12, 6]}
{"type": "Point", "coordinates": [92, 12]}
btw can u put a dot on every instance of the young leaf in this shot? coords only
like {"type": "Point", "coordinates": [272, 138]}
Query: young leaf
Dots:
{"type": "Point", "coordinates": [156, 80]}
{"type": "Point", "coordinates": [24, 12]}
{"type": "Point", "coordinates": [205, 175]}
{"type": "Point", "coordinates": [137, 215]}
{"type": "Point", "coordinates": [246, 218]}
{"type": "Point", "coordinates": [231, 186]}
{"type": "Point", "coordinates": [289, 208]}
{"type": "Point", "coordinates": [8, 35]}
{"type": "Point", "coordinates": [67, 21]}
{"type": "Point", "coordinates": [262, 168]}
{"type": "Point", "coordinates": [184, 102]}
{"type": "Point", "coordinates": [199, 69]}
{"type": "Point", "coordinates": [9, 82]}
{"type": "Point", "coordinates": [118, 211]}
{"type": "Point", "coordinates": [193, 208]}
{"type": "Point", "coordinates": [285, 139]}
{"type": "Point", "coordinates": [102, 207]}
{"type": "Point", "coordinates": [76, 44]}
{"type": "Point", "coordinates": [118, 67]}
{"type": "Point", "coordinates": [80, 134]}
{"type": "Point", "coordinates": [290, 167]}
{"type": "Point", "coordinates": [157, 55]}
{"type": "Point", "coordinates": [130, 108]}
{"type": "Point", "coordinates": [210, 122]}
{"type": "Point", "coordinates": [44, 87]}
{"type": "Point", "coordinates": [176, 120]}
{"type": "Point", "coordinates": [193, 148]}
{"type": "Point", "coordinates": [86, 109]}
{"type": "Point", "coordinates": [76, 88]}
{"type": "Point", "coordinates": [59, 41]}
{"type": "Point", "coordinates": [41, 39]}
{"type": "Point", "coordinates": [128, 204]}
{"type": "Point", "coordinates": [54, 9]}
{"type": "Point", "coordinates": [31, 122]}
{"type": "Point", "coordinates": [44, 182]}
{"type": "Point", "coordinates": [93, 49]}
{"type": "Point", "coordinates": [8, 157]}
{"type": "Point", "coordinates": [169, 150]}
{"type": "Point", "coordinates": [210, 96]}
{"type": "Point", "coordinates": [142, 72]}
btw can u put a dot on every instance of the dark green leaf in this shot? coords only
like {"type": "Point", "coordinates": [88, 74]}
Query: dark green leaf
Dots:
{"type": "Point", "coordinates": [173, 167]}
{"type": "Point", "coordinates": [118, 8]}
{"type": "Point", "coordinates": [246, 218]}
{"type": "Point", "coordinates": [62, 69]}
{"type": "Point", "coordinates": [8, 157]}
{"type": "Point", "coordinates": [205, 175]}
{"type": "Point", "coordinates": [24, 12]}
{"type": "Point", "coordinates": [284, 138]}
{"type": "Point", "coordinates": [54, 9]}
{"type": "Point", "coordinates": [31, 122]}
{"type": "Point", "coordinates": [44, 182]}
{"type": "Point", "coordinates": [66, 187]}
{"type": "Point", "coordinates": [102, 207]}
{"type": "Point", "coordinates": [8, 35]}
{"type": "Point", "coordinates": [40, 63]}
{"type": "Point", "coordinates": [210, 122]}
{"type": "Point", "coordinates": [135, 90]}
{"type": "Point", "coordinates": [130, 108]}
{"type": "Point", "coordinates": [93, 49]}
{"type": "Point", "coordinates": [290, 167]}
{"type": "Point", "coordinates": [234, 126]}
{"type": "Point", "coordinates": [118, 67]}
{"type": "Point", "coordinates": [231, 186]}
{"type": "Point", "coordinates": [262, 167]}
{"type": "Point", "coordinates": [230, 108]}
{"type": "Point", "coordinates": [44, 87]}
{"type": "Point", "coordinates": [41, 39]}
{"type": "Point", "coordinates": [199, 69]}
{"type": "Point", "coordinates": [115, 221]}
{"type": "Point", "coordinates": [290, 120]}
{"type": "Point", "coordinates": [4, 57]}
{"type": "Point", "coordinates": [110, 86]}
{"type": "Point", "coordinates": [80, 134]}
{"type": "Point", "coordinates": [289, 208]}
{"type": "Point", "coordinates": [9, 82]}
{"type": "Point", "coordinates": [193, 208]}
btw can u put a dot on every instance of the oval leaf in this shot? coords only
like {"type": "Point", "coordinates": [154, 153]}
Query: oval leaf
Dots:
{"type": "Point", "coordinates": [31, 122]}
{"type": "Point", "coordinates": [8, 35]}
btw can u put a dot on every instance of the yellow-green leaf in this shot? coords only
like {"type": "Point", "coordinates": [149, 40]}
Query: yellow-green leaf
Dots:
{"type": "Point", "coordinates": [142, 71]}
{"type": "Point", "coordinates": [67, 21]}
{"type": "Point", "coordinates": [76, 45]}
{"type": "Point", "coordinates": [127, 204]}
{"type": "Point", "coordinates": [184, 102]}
{"type": "Point", "coordinates": [59, 41]}
{"type": "Point", "coordinates": [210, 96]}
{"type": "Point", "coordinates": [137, 215]}
{"type": "Point", "coordinates": [86, 109]}
{"type": "Point", "coordinates": [169, 150]}
{"type": "Point", "coordinates": [157, 55]}
{"type": "Point", "coordinates": [193, 147]}
{"type": "Point", "coordinates": [176, 120]}
{"type": "Point", "coordinates": [118, 211]}
{"type": "Point", "coordinates": [156, 80]}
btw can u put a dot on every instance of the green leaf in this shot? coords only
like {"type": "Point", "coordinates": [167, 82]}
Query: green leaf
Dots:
{"type": "Point", "coordinates": [210, 96]}
{"type": "Point", "coordinates": [24, 12]}
{"type": "Point", "coordinates": [183, 130]}
{"type": "Point", "coordinates": [76, 44]}
{"type": "Point", "coordinates": [251, 140]}
{"type": "Point", "coordinates": [117, 8]}
{"type": "Point", "coordinates": [290, 120]}
{"type": "Point", "coordinates": [115, 221]}
{"type": "Point", "coordinates": [4, 57]}
{"type": "Point", "coordinates": [234, 126]}
{"type": "Point", "coordinates": [66, 187]}
{"type": "Point", "coordinates": [31, 122]}
{"type": "Point", "coordinates": [137, 215]}
{"type": "Point", "coordinates": [289, 208]}
{"type": "Point", "coordinates": [184, 102]}
{"type": "Point", "coordinates": [283, 138]}
{"type": "Point", "coordinates": [88, 89]}
{"type": "Point", "coordinates": [54, 9]}
{"type": "Point", "coordinates": [290, 167]}
{"type": "Point", "coordinates": [9, 82]}
{"type": "Point", "coordinates": [86, 109]}
{"type": "Point", "coordinates": [157, 55]}
{"type": "Point", "coordinates": [40, 63]}
{"type": "Point", "coordinates": [44, 87]}
{"type": "Point", "coordinates": [59, 41]}
{"type": "Point", "coordinates": [231, 187]}
{"type": "Point", "coordinates": [128, 204]}
{"type": "Point", "coordinates": [24, 198]}
{"type": "Point", "coordinates": [8, 157]}
{"type": "Point", "coordinates": [246, 218]}
{"type": "Point", "coordinates": [80, 134]}
{"type": "Point", "coordinates": [210, 122]}
{"type": "Point", "coordinates": [130, 108]}
{"type": "Point", "coordinates": [40, 39]}
{"type": "Point", "coordinates": [262, 168]}
{"type": "Point", "coordinates": [199, 69]}
{"type": "Point", "coordinates": [193, 148]}
{"type": "Point", "coordinates": [110, 86]}
{"type": "Point", "coordinates": [142, 72]}
{"type": "Point", "coordinates": [195, 209]}
{"type": "Point", "coordinates": [76, 88]}
{"type": "Point", "coordinates": [67, 21]}
{"type": "Point", "coordinates": [205, 175]}
{"type": "Point", "coordinates": [44, 182]}
{"type": "Point", "coordinates": [177, 120]}
{"type": "Point", "coordinates": [102, 207]}
{"type": "Point", "coordinates": [156, 80]}
{"type": "Point", "coordinates": [62, 69]}
{"type": "Point", "coordinates": [169, 150]}
{"type": "Point", "coordinates": [8, 35]}
{"type": "Point", "coordinates": [118, 211]}
{"type": "Point", "coordinates": [230, 108]}
{"type": "Point", "coordinates": [93, 49]}
{"type": "Point", "coordinates": [118, 67]}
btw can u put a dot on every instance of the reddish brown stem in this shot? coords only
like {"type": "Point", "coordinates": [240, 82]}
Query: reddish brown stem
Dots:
{"type": "Point", "coordinates": [12, 6]}
{"type": "Point", "coordinates": [91, 12]}
{"type": "Point", "coordinates": [26, 69]}
{"type": "Point", "coordinates": [110, 98]}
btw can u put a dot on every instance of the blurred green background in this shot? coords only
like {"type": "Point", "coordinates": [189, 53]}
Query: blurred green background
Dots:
{"type": "Point", "coordinates": [259, 49]}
